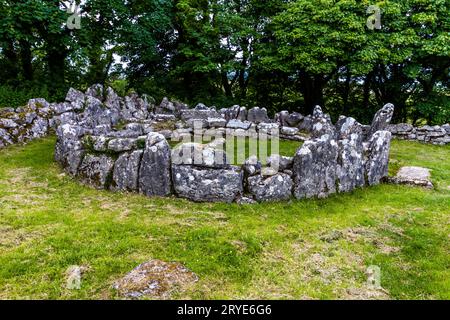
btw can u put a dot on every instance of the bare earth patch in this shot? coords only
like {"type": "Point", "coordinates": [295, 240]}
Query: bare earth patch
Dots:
{"type": "Point", "coordinates": [155, 279]}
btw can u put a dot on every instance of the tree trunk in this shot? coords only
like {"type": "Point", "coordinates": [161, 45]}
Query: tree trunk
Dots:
{"type": "Point", "coordinates": [346, 94]}
{"type": "Point", "coordinates": [26, 59]}
{"type": "Point", "coordinates": [312, 90]}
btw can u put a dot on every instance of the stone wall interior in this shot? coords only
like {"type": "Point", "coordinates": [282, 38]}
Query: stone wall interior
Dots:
{"type": "Point", "coordinates": [124, 144]}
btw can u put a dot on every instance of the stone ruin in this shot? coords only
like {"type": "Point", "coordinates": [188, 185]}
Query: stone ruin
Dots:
{"type": "Point", "coordinates": [124, 144]}
{"type": "Point", "coordinates": [437, 135]}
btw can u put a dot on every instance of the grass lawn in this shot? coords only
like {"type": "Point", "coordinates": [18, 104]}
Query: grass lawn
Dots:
{"type": "Point", "coordinates": [310, 249]}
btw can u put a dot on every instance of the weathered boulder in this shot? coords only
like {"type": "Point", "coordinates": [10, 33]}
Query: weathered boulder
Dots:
{"type": "Point", "coordinates": [238, 124]}
{"type": "Point", "coordinates": [8, 124]}
{"type": "Point", "coordinates": [95, 113]}
{"type": "Point", "coordinates": [294, 119]}
{"type": "Point", "coordinates": [252, 166]}
{"type": "Point", "coordinates": [257, 115]}
{"type": "Point", "coordinates": [122, 144]}
{"type": "Point", "coordinates": [315, 168]}
{"type": "Point", "coordinates": [414, 176]}
{"type": "Point", "coordinates": [96, 91]}
{"type": "Point", "coordinates": [273, 188]}
{"type": "Point", "coordinates": [381, 120]}
{"type": "Point", "coordinates": [166, 107]}
{"type": "Point", "coordinates": [207, 185]}
{"type": "Point", "coordinates": [305, 124]}
{"type": "Point", "coordinates": [269, 128]}
{"type": "Point", "coordinates": [60, 108]}
{"type": "Point", "coordinates": [76, 99]}
{"type": "Point", "coordinates": [96, 170]}
{"type": "Point", "coordinates": [289, 131]}
{"type": "Point", "coordinates": [38, 129]}
{"type": "Point", "coordinates": [154, 172]}
{"type": "Point", "coordinates": [69, 150]}
{"type": "Point", "coordinates": [281, 118]}
{"type": "Point", "coordinates": [39, 103]}
{"type": "Point", "coordinates": [377, 157]}
{"type": "Point", "coordinates": [126, 172]}
{"type": "Point", "coordinates": [230, 113]}
{"type": "Point", "coordinates": [280, 163]}
{"type": "Point", "coordinates": [216, 122]}
{"type": "Point", "coordinates": [155, 279]}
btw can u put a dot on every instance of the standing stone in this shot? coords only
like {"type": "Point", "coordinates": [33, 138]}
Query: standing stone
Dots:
{"type": "Point", "coordinates": [154, 173]}
{"type": "Point", "coordinates": [76, 99]}
{"type": "Point", "coordinates": [350, 169]}
{"type": "Point", "coordinates": [322, 124]}
{"type": "Point", "coordinates": [281, 118]}
{"type": "Point", "coordinates": [274, 188]}
{"type": "Point", "coordinates": [381, 120]}
{"type": "Point", "coordinates": [377, 155]}
{"type": "Point", "coordinates": [257, 115]}
{"type": "Point", "coordinates": [96, 171]}
{"type": "Point", "coordinates": [315, 168]}
{"type": "Point", "coordinates": [126, 172]}
{"type": "Point", "coordinates": [95, 91]}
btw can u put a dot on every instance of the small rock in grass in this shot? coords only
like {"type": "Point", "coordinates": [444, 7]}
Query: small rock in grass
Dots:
{"type": "Point", "coordinates": [155, 279]}
{"type": "Point", "coordinates": [415, 176]}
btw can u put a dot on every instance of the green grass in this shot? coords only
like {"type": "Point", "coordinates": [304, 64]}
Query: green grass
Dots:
{"type": "Point", "coordinates": [48, 221]}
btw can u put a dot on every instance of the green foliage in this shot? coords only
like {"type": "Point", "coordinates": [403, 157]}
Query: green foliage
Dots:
{"type": "Point", "coordinates": [15, 97]}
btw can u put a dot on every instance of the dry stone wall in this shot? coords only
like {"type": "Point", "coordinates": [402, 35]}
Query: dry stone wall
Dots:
{"type": "Point", "coordinates": [124, 144]}
{"type": "Point", "coordinates": [438, 135]}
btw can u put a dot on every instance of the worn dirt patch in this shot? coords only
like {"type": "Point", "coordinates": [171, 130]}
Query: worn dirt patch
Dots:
{"type": "Point", "coordinates": [10, 237]}
{"type": "Point", "coordinates": [155, 279]}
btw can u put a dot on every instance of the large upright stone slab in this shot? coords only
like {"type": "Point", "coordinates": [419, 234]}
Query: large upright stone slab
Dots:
{"type": "Point", "coordinates": [377, 157]}
{"type": "Point", "coordinates": [350, 169]}
{"type": "Point", "coordinates": [381, 120]}
{"type": "Point", "coordinates": [126, 172]}
{"type": "Point", "coordinates": [96, 170]}
{"type": "Point", "coordinates": [257, 115]}
{"type": "Point", "coordinates": [315, 168]}
{"type": "Point", "coordinates": [207, 184]}
{"type": "Point", "coordinates": [154, 173]}
{"type": "Point", "coordinates": [69, 150]}
{"type": "Point", "coordinates": [321, 124]}
{"type": "Point", "coordinates": [273, 188]}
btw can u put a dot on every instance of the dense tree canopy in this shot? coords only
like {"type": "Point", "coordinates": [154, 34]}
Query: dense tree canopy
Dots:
{"type": "Point", "coordinates": [279, 54]}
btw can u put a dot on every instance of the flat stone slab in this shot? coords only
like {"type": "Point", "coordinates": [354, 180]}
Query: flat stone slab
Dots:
{"type": "Point", "coordinates": [415, 176]}
{"type": "Point", "coordinates": [155, 279]}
